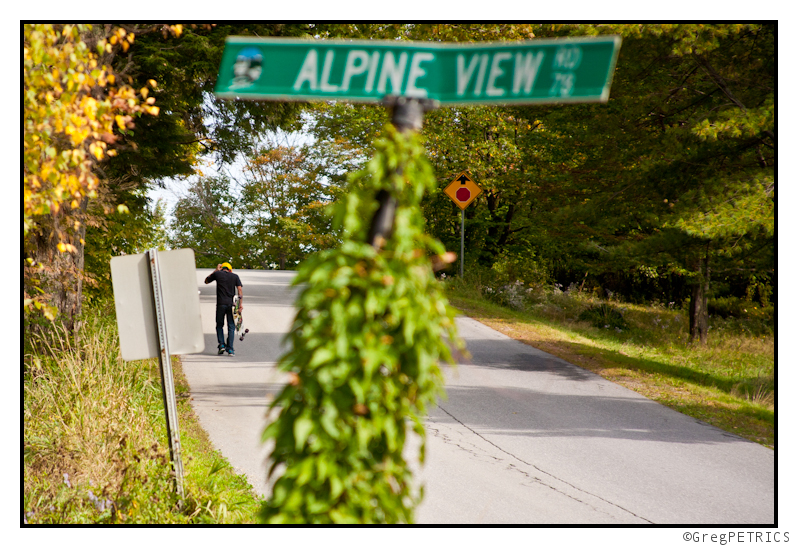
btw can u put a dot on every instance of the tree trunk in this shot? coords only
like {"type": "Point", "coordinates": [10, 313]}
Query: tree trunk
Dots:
{"type": "Point", "coordinates": [62, 279]}
{"type": "Point", "coordinates": [699, 313]}
{"type": "Point", "coordinates": [498, 231]}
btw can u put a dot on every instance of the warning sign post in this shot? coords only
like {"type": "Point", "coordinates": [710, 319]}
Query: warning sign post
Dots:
{"type": "Point", "coordinates": [463, 190]}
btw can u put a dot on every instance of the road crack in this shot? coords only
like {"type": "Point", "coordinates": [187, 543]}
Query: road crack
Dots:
{"type": "Point", "coordinates": [534, 467]}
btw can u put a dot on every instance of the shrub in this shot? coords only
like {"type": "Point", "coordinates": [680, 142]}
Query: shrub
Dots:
{"type": "Point", "coordinates": [727, 306]}
{"type": "Point", "coordinates": [603, 316]}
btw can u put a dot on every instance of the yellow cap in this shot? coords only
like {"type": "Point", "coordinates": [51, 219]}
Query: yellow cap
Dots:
{"type": "Point", "coordinates": [227, 266]}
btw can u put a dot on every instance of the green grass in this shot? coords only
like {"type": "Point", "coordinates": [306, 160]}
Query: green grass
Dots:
{"type": "Point", "coordinates": [95, 448]}
{"type": "Point", "coordinates": [728, 383]}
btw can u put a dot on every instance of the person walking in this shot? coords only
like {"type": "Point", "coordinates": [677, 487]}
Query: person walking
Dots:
{"type": "Point", "coordinates": [226, 285]}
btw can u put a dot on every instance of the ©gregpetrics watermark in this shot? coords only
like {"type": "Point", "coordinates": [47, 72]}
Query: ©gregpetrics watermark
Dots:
{"type": "Point", "coordinates": [737, 537]}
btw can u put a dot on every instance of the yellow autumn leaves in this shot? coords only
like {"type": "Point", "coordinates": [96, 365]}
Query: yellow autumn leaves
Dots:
{"type": "Point", "coordinates": [75, 109]}
{"type": "Point", "coordinates": [72, 106]}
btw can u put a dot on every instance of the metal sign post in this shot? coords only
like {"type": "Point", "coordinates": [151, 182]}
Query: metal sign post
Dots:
{"type": "Point", "coordinates": [462, 240]}
{"type": "Point", "coordinates": [167, 378]}
{"type": "Point", "coordinates": [158, 313]}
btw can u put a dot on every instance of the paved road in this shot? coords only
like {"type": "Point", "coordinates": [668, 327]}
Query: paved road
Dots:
{"type": "Point", "coordinates": [523, 437]}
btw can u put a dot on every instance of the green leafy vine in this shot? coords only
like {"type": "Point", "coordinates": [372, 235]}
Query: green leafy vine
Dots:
{"type": "Point", "coordinates": [371, 329]}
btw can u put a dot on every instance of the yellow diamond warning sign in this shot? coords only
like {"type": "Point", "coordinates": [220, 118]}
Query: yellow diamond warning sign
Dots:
{"type": "Point", "coordinates": [463, 190]}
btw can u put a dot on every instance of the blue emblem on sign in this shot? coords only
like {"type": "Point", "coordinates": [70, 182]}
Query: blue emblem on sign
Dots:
{"type": "Point", "coordinates": [247, 68]}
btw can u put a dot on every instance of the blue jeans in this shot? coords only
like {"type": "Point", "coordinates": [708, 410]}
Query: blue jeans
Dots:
{"type": "Point", "coordinates": [222, 311]}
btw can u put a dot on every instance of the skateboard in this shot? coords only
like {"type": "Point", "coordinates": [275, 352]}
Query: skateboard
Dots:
{"type": "Point", "coordinates": [238, 318]}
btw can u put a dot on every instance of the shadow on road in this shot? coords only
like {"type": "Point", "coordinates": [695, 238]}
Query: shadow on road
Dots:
{"type": "Point", "coordinates": [252, 350]}
{"type": "Point", "coordinates": [512, 355]}
{"type": "Point", "coordinates": [533, 413]}
{"type": "Point", "coordinates": [754, 422]}
{"type": "Point", "coordinates": [250, 362]}
{"type": "Point", "coordinates": [257, 395]}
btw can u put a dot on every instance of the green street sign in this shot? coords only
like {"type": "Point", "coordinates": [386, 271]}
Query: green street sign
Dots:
{"type": "Point", "coordinates": [534, 71]}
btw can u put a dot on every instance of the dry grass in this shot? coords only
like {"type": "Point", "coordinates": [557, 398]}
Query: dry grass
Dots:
{"type": "Point", "coordinates": [89, 429]}
{"type": "Point", "coordinates": [95, 440]}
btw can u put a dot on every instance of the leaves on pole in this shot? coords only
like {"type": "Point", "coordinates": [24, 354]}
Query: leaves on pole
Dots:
{"type": "Point", "coordinates": [370, 330]}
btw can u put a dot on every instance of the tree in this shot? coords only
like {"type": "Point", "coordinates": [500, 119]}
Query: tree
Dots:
{"type": "Point", "coordinates": [193, 127]}
{"type": "Point", "coordinates": [140, 228]}
{"type": "Point", "coordinates": [194, 123]}
{"type": "Point", "coordinates": [273, 215]}
{"type": "Point", "coordinates": [681, 168]}
{"type": "Point", "coordinates": [580, 190]}
{"type": "Point", "coordinates": [66, 164]}
{"type": "Point", "coordinates": [491, 142]}
{"type": "Point", "coordinates": [493, 145]}
{"type": "Point", "coordinates": [210, 220]}
{"type": "Point", "coordinates": [73, 113]}
{"type": "Point", "coordinates": [283, 199]}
